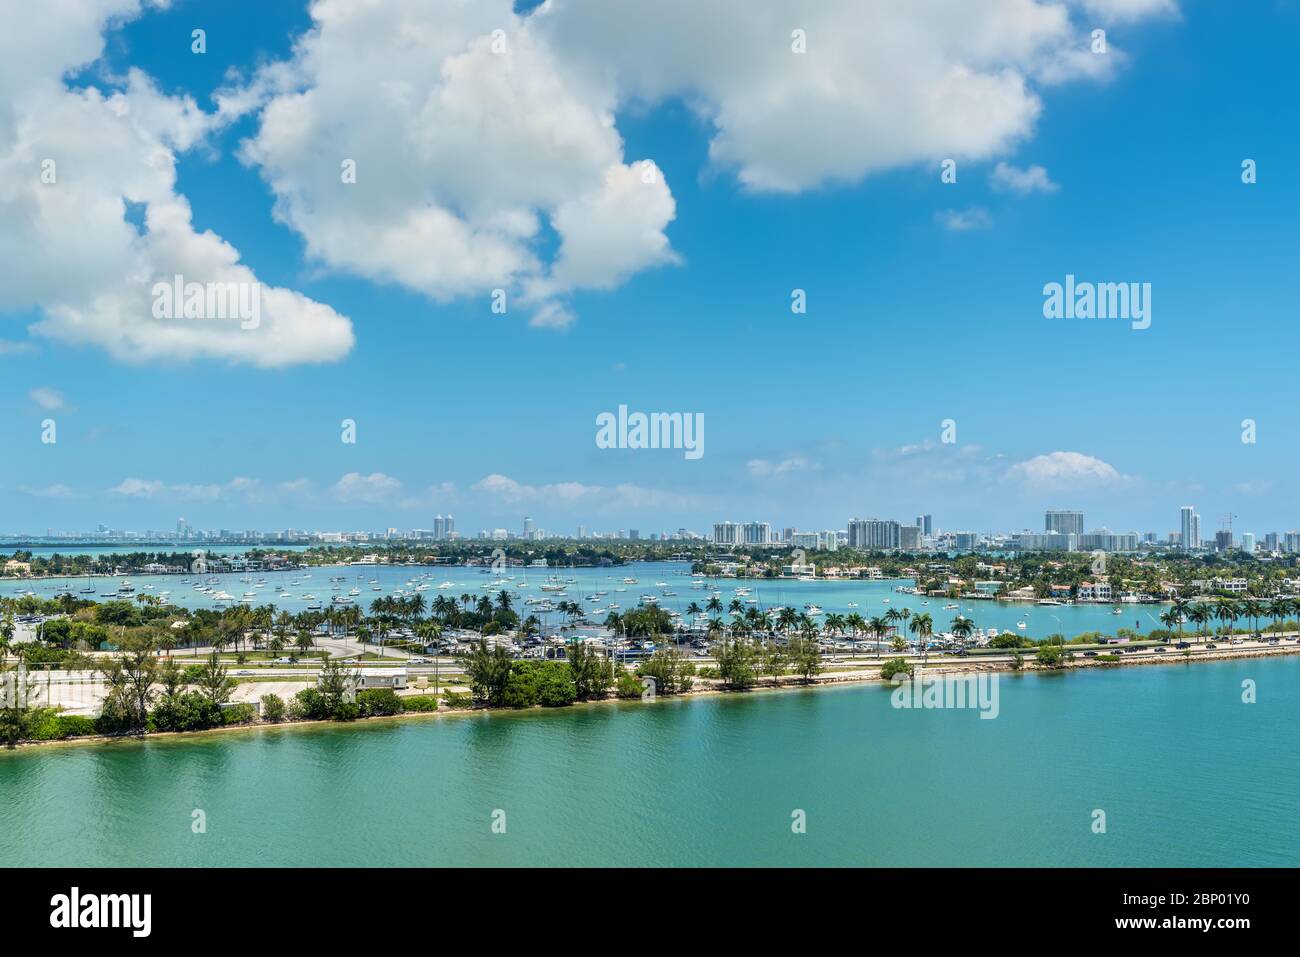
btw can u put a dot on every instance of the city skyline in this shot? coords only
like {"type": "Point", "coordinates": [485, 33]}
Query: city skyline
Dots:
{"type": "Point", "coordinates": [1064, 531]}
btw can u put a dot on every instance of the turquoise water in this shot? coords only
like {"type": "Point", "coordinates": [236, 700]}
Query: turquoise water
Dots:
{"type": "Point", "coordinates": [871, 598]}
{"type": "Point", "coordinates": [1185, 772]}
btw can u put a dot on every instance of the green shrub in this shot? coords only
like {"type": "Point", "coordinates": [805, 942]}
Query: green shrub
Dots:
{"type": "Point", "coordinates": [1050, 656]}
{"type": "Point", "coordinates": [308, 705]}
{"type": "Point", "coordinates": [191, 674]}
{"type": "Point", "coordinates": [458, 699]}
{"type": "Point", "coordinates": [628, 686]}
{"type": "Point", "coordinates": [238, 714]}
{"type": "Point", "coordinates": [347, 711]}
{"type": "Point", "coordinates": [378, 702]}
{"type": "Point", "coordinates": [521, 686]}
{"type": "Point", "coordinates": [895, 666]}
{"type": "Point", "coordinates": [555, 685]}
{"type": "Point", "coordinates": [32, 724]}
{"type": "Point", "coordinates": [74, 726]}
{"type": "Point", "coordinates": [709, 673]}
{"type": "Point", "coordinates": [187, 711]}
{"type": "Point", "coordinates": [420, 702]}
{"type": "Point", "coordinates": [36, 654]}
{"type": "Point", "coordinates": [273, 708]}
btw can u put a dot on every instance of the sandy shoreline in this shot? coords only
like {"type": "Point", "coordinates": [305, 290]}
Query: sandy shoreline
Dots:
{"type": "Point", "coordinates": [703, 687]}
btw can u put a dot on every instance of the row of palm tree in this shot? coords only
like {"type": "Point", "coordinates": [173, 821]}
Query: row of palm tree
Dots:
{"type": "Point", "coordinates": [1227, 611]}
{"type": "Point", "coordinates": [747, 622]}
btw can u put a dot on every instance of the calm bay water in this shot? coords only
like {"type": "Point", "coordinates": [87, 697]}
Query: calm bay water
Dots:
{"type": "Point", "coordinates": [1186, 773]}
{"type": "Point", "coordinates": [870, 598]}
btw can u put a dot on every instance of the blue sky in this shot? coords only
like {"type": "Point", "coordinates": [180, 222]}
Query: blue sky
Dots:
{"type": "Point", "coordinates": [809, 418]}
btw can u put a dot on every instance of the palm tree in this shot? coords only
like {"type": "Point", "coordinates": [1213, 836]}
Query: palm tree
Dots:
{"type": "Point", "coordinates": [6, 634]}
{"type": "Point", "coordinates": [1199, 614]}
{"type": "Point", "coordinates": [1226, 611]}
{"type": "Point", "coordinates": [1171, 618]}
{"type": "Point", "coordinates": [856, 624]}
{"type": "Point", "coordinates": [614, 622]}
{"type": "Point", "coordinates": [962, 628]}
{"type": "Point", "coordinates": [922, 626]}
{"type": "Point", "coordinates": [1277, 610]}
{"type": "Point", "coordinates": [879, 626]}
{"type": "Point", "coordinates": [834, 623]}
{"type": "Point", "coordinates": [1253, 609]}
{"type": "Point", "coordinates": [1180, 608]}
{"type": "Point", "coordinates": [787, 619]}
{"type": "Point", "coordinates": [893, 616]}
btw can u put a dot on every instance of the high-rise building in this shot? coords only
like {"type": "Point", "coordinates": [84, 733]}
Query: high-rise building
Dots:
{"type": "Point", "coordinates": [1064, 520]}
{"type": "Point", "coordinates": [1271, 542]}
{"type": "Point", "coordinates": [1223, 540]}
{"type": "Point", "coordinates": [439, 527]}
{"type": "Point", "coordinates": [529, 527]}
{"type": "Point", "coordinates": [965, 541]}
{"type": "Point", "coordinates": [726, 533]}
{"type": "Point", "coordinates": [756, 533]}
{"type": "Point", "coordinates": [1045, 542]}
{"type": "Point", "coordinates": [1104, 540]}
{"type": "Point", "coordinates": [873, 533]}
{"type": "Point", "coordinates": [451, 527]}
{"type": "Point", "coordinates": [927, 527]}
{"type": "Point", "coordinates": [909, 537]}
{"type": "Point", "coordinates": [1190, 535]}
{"type": "Point", "coordinates": [1291, 542]}
{"type": "Point", "coordinates": [1248, 542]}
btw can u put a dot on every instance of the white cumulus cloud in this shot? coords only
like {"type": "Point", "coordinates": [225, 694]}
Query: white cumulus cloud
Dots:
{"type": "Point", "coordinates": [964, 220]}
{"type": "Point", "coordinates": [74, 165]}
{"type": "Point", "coordinates": [49, 399]}
{"type": "Point", "coordinates": [1031, 179]}
{"type": "Point", "coordinates": [471, 138]}
{"type": "Point", "coordinates": [1064, 470]}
